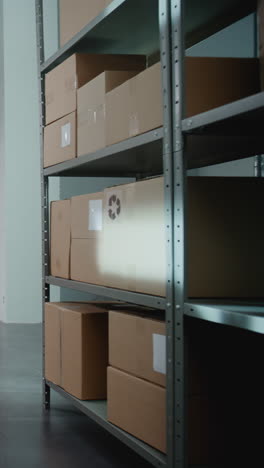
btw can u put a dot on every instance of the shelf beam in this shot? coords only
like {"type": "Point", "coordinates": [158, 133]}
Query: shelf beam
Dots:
{"type": "Point", "coordinates": [145, 300]}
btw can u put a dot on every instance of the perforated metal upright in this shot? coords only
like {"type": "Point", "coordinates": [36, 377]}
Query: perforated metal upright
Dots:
{"type": "Point", "coordinates": [44, 181]}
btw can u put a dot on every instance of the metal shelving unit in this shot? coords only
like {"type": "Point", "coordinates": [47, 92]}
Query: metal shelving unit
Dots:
{"type": "Point", "coordinates": [230, 132]}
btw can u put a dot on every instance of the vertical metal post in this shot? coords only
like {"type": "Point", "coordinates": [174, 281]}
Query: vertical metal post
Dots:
{"type": "Point", "coordinates": [258, 160]}
{"type": "Point", "coordinates": [179, 201]}
{"type": "Point", "coordinates": [173, 190]}
{"type": "Point", "coordinates": [44, 193]}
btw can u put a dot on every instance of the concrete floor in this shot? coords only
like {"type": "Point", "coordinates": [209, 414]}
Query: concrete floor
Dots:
{"type": "Point", "coordinates": [62, 437]}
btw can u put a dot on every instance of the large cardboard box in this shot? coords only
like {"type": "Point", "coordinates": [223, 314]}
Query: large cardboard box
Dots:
{"type": "Point", "coordinates": [139, 407]}
{"type": "Point", "coordinates": [212, 82]}
{"type": "Point", "coordinates": [76, 348]}
{"type": "Point", "coordinates": [91, 109]}
{"type": "Point", "coordinates": [61, 84]}
{"type": "Point", "coordinates": [60, 238]}
{"type": "Point", "coordinates": [136, 106]}
{"type": "Point", "coordinates": [137, 345]}
{"type": "Point", "coordinates": [223, 219]}
{"type": "Point", "coordinates": [60, 140]}
{"type": "Point", "coordinates": [75, 15]}
{"type": "Point", "coordinates": [86, 232]}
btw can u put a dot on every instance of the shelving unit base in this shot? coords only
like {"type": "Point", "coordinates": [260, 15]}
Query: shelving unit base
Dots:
{"type": "Point", "coordinates": [97, 411]}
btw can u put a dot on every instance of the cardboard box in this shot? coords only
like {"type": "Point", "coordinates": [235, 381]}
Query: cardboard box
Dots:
{"type": "Point", "coordinates": [137, 345]}
{"type": "Point", "coordinates": [134, 225]}
{"type": "Point", "coordinates": [91, 109]}
{"type": "Point", "coordinates": [134, 107]}
{"type": "Point", "coordinates": [223, 219]}
{"type": "Point", "coordinates": [60, 140]}
{"type": "Point", "coordinates": [139, 407]}
{"type": "Point", "coordinates": [212, 82]}
{"type": "Point", "coordinates": [62, 82]}
{"type": "Point", "coordinates": [75, 16]}
{"type": "Point", "coordinates": [60, 238]}
{"type": "Point", "coordinates": [86, 231]}
{"type": "Point", "coordinates": [76, 348]}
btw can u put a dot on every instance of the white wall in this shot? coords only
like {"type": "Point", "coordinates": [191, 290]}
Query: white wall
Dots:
{"type": "Point", "coordinates": [21, 215]}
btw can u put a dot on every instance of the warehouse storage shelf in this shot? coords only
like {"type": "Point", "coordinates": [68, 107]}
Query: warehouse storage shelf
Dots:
{"type": "Point", "coordinates": [159, 28]}
{"type": "Point", "coordinates": [146, 300]}
{"type": "Point", "coordinates": [141, 154]}
{"type": "Point", "coordinates": [249, 317]}
{"type": "Point", "coordinates": [97, 411]}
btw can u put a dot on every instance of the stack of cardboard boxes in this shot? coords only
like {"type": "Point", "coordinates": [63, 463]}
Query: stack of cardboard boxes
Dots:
{"type": "Point", "coordinates": [99, 350]}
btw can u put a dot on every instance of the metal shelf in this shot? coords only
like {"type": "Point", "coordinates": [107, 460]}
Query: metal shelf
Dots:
{"type": "Point", "coordinates": [146, 300]}
{"type": "Point", "coordinates": [113, 31]}
{"type": "Point", "coordinates": [242, 117]}
{"type": "Point", "coordinates": [97, 410]}
{"type": "Point", "coordinates": [138, 155]}
{"type": "Point", "coordinates": [249, 317]}
{"type": "Point", "coordinates": [206, 17]}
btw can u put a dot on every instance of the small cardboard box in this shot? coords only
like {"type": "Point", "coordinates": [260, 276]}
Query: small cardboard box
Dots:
{"type": "Point", "coordinates": [134, 107]}
{"type": "Point", "coordinates": [137, 345]}
{"type": "Point", "coordinates": [139, 407]}
{"type": "Point", "coordinates": [75, 15]}
{"type": "Point", "coordinates": [86, 232]}
{"type": "Point", "coordinates": [91, 109]}
{"type": "Point", "coordinates": [61, 84]}
{"type": "Point", "coordinates": [76, 348]}
{"type": "Point", "coordinates": [60, 140]}
{"type": "Point", "coordinates": [60, 238]}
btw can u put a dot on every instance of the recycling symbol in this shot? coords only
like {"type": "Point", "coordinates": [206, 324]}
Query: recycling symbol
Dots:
{"type": "Point", "coordinates": [114, 207]}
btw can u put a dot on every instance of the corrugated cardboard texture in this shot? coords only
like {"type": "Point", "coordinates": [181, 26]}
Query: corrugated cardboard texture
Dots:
{"type": "Point", "coordinates": [86, 216]}
{"type": "Point", "coordinates": [213, 82]}
{"type": "Point", "coordinates": [131, 345]}
{"type": "Point", "coordinates": [261, 39]}
{"type": "Point", "coordinates": [61, 84]}
{"type": "Point", "coordinates": [85, 265]}
{"type": "Point", "coordinates": [52, 343]}
{"type": "Point", "coordinates": [55, 149]}
{"type": "Point", "coordinates": [134, 107]}
{"type": "Point", "coordinates": [225, 233]}
{"type": "Point", "coordinates": [60, 238]}
{"type": "Point", "coordinates": [91, 109]}
{"type": "Point", "coordinates": [139, 407]}
{"type": "Point", "coordinates": [85, 351]}
{"type": "Point", "coordinates": [74, 16]}
{"type": "Point", "coordinates": [129, 257]}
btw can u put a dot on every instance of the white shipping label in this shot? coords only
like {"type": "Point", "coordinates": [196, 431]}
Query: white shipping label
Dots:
{"type": "Point", "coordinates": [95, 218]}
{"type": "Point", "coordinates": [159, 353]}
{"type": "Point", "coordinates": [66, 135]}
